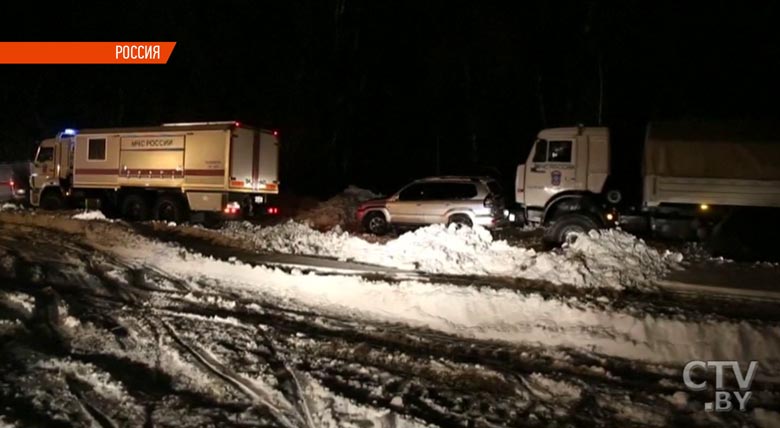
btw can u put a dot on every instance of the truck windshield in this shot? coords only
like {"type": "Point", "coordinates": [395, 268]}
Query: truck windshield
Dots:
{"type": "Point", "coordinates": [45, 154]}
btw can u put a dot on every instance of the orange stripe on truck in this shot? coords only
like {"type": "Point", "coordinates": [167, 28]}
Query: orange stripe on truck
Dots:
{"type": "Point", "coordinates": [97, 171]}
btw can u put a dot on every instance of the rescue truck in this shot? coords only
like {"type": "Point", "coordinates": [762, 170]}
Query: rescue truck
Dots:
{"type": "Point", "coordinates": [174, 172]}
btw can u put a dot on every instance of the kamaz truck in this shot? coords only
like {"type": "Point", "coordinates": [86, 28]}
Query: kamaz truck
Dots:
{"type": "Point", "coordinates": [692, 177]}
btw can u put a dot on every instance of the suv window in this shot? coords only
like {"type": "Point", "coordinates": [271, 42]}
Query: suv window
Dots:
{"type": "Point", "coordinates": [45, 154]}
{"type": "Point", "coordinates": [432, 191]}
{"type": "Point", "coordinates": [444, 191]}
{"type": "Point", "coordinates": [413, 192]}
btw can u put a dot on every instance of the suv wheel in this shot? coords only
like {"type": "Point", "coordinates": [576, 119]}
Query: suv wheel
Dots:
{"type": "Point", "coordinates": [376, 223]}
{"type": "Point", "coordinates": [460, 220]}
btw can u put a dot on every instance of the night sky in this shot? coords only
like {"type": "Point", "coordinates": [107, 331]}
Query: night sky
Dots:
{"type": "Point", "coordinates": [367, 92]}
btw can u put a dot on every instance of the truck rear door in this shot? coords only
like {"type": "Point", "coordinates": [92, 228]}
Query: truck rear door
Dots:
{"type": "Point", "coordinates": [254, 161]}
{"type": "Point", "coordinates": [241, 155]}
{"type": "Point", "coordinates": [268, 161]}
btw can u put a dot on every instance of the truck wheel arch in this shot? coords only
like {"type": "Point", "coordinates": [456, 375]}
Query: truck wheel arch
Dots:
{"type": "Point", "coordinates": [51, 198]}
{"type": "Point", "coordinates": [584, 201]}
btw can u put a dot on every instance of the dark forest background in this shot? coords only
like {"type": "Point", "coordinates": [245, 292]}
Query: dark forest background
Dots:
{"type": "Point", "coordinates": [376, 93]}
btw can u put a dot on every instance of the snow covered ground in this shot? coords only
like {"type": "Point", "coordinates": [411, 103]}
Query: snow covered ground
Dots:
{"type": "Point", "coordinates": [101, 326]}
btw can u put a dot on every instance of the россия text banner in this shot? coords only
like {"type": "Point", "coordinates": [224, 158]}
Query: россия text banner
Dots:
{"type": "Point", "coordinates": [85, 52]}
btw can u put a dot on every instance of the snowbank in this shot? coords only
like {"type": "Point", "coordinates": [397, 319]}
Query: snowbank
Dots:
{"type": "Point", "coordinates": [9, 207]}
{"type": "Point", "coordinates": [338, 210]}
{"type": "Point", "coordinates": [608, 258]}
{"type": "Point", "coordinates": [483, 313]}
{"type": "Point", "coordinates": [90, 215]}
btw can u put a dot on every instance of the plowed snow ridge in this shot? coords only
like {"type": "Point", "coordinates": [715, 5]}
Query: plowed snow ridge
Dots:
{"type": "Point", "coordinates": [609, 258]}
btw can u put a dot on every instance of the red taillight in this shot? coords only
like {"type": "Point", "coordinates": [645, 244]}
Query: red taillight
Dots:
{"type": "Point", "coordinates": [272, 210]}
{"type": "Point", "coordinates": [276, 133]}
{"type": "Point", "coordinates": [232, 208]}
{"type": "Point", "coordinates": [11, 183]}
{"type": "Point", "coordinates": [238, 124]}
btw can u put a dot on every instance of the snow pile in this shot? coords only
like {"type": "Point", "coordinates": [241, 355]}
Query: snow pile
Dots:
{"type": "Point", "coordinates": [614, 256]}
{"type": "Point", "coordinates": [90, 215]}
{"type": "Point", "coordinates": [290, 238]}
{"type": "Point", "coordinates": [609, 258]}
{"type": "Point", "coordinates": [600, 259]}
{"type": "Point", "coordinates": [9, 207]}
{"type": "Point", "coordinates": [338, 210]}
{"type": "Point", "coordinates": [448, 250]}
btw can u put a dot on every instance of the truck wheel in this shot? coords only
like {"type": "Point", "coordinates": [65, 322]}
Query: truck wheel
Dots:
{"type": "Point", "coordinates": [567, 224]}
{"type": "Point", "coordinates": [169, 208]}
{"type": "Point", "coordinates": [135, 208]}
{"type": "Point", "coordinates": [376, 223]}
{"type": "Point", "coordinates": [52, 200]}
{"type": "Point", "coordinates": [460, 220]}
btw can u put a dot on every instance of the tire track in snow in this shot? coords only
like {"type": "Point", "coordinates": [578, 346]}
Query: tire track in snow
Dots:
{"type": "Point", "coordinates": [279, 410]}
{"type": "Point", "coordinates": [98, 416]}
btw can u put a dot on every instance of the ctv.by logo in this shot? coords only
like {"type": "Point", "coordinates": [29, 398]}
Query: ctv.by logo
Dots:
{"type": "Point", "coordinates": [723, 396]}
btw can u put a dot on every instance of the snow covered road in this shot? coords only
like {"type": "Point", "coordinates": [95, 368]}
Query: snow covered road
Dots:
{"type": "Point", "coordinates": [101, 326]}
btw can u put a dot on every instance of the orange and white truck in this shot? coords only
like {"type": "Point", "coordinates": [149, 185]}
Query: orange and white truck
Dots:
{"type": "Point", "coordinates": [172, 172]}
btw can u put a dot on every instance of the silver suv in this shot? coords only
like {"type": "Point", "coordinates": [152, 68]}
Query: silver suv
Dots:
{"type": "Point", "coordinates": [462, 200]}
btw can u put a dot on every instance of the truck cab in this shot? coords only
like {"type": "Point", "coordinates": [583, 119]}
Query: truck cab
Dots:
{"type": "Point", "coordinates": [564, 175]}
{"type": "Point", "coordinates": [49, 168]}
